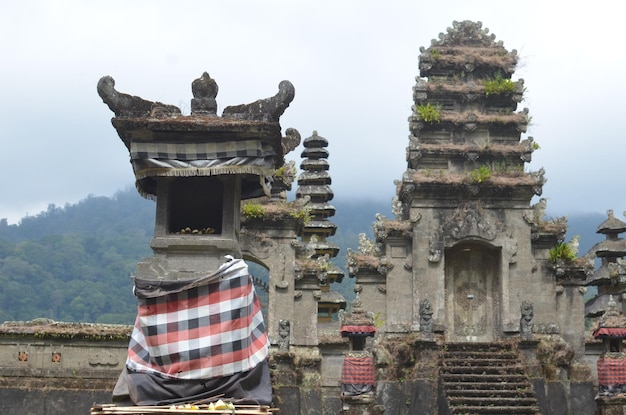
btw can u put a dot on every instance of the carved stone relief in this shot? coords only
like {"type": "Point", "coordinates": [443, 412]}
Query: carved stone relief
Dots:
{"type": "Point", "coordinates": [470, 221]}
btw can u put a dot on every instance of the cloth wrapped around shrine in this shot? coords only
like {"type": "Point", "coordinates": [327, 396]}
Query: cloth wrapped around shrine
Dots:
{"type": "Point", "coordinates": [357, 375]}
{"type": "Point", "coordinates": [253, 158]}
{"type": "Point", "coordinates": [612, 375]}
{"type": "Point", "coordinates": [199, 338]}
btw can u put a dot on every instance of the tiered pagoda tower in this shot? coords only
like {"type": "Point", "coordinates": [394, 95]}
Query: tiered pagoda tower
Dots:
{"type": "Point", "coordinates": [610, 278]}
{"type": "Point", "coordinates": [465, 236]}
{"type": "Point", "coordinates": [467, 259]}
{"type": "Point", "coordinates": [314, 186]}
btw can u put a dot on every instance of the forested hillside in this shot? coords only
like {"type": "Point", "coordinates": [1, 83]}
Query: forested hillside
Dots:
{"type": "Point", "coordinates": [73, 263]}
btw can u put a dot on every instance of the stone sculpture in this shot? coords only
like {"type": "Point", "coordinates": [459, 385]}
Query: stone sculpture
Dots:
{"type": "Point", "coordinates": [284, 330]}
{"type": "Point", "coordinates": [426, 318]}
{"type": "Point", "coordinates": [526, 321]}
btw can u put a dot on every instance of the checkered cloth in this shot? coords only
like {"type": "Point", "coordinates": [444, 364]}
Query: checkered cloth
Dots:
{"type": "Point", "coordinates": [199, 151]}
{"type": "Point", "coordinates": [252, 158]}
{"type": "Point", "coordinates": [357, 370]}
{"type": "Point", "coordinates": [199, 329]}
{"type": "Point", "coordinates": [611, 371]}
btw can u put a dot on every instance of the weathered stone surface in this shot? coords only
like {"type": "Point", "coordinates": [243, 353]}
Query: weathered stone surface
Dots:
{"type": "Point", "coordinates": [269, 109]}
{"type": "Point", "coordinates": [49, 401]}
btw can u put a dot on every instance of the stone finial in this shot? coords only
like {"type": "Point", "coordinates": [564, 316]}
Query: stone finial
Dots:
{"type": "Point", "coordinates": [204, 91]}
{"type": "Point", "coordinates": [124, 105]}
{"type": "Point", "coordinates": [268, 109]}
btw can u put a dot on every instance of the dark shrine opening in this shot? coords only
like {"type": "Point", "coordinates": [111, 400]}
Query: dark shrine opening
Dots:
{"type": "Point", "coordinates": [196, 204]}
{"type": "Point", "coordinates": [358, 343]}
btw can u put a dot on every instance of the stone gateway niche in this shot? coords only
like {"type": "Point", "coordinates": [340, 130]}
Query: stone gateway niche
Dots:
{"type": "Point", "coordinates": [472, 289]}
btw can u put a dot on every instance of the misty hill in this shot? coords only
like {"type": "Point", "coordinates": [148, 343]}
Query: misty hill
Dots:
{"type": "Point", "coordinates": [73, 263]}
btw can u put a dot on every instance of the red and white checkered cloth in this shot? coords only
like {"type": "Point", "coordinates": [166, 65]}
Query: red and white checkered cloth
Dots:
{"type": "Point", "coordinates": [611, 371]}
{"type": "Point", "coordinates": [358, 371]}
{"type": "Point", "coordinates": [199, 329]}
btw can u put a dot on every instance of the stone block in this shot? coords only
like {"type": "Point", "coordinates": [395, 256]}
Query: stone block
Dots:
{"type": "Point", "coordinates": [287, 400]}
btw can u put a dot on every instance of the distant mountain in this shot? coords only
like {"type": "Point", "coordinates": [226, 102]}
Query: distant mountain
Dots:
{"type": "Point", "coordinates": [73, 263]}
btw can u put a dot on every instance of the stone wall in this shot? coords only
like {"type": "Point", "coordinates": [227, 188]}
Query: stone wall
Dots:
{"type": "Point", "coordinates": [51, 368]}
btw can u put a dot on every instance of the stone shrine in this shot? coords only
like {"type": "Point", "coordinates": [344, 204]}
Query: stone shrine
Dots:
{"type": "Point", "coordinates": [199, 331]}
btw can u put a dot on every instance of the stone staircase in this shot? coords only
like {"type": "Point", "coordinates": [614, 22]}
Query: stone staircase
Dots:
{"type": "Point", "coordinates": [485, 378]}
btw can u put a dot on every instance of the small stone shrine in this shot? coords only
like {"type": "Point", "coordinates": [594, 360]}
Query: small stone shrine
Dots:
{"type": "Point", "coordinates": [611, 366]}
{"type": "Point", "coordinates": [197, 287]}
{"type": "Point", "coordinates": [357, 378]}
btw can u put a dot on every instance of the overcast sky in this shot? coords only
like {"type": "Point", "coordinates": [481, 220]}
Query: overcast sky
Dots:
{"type": "Point", "coordinates": [353, 64]}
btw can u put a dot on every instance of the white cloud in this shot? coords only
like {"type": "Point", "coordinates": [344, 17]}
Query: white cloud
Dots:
{"type": "Point", "coordinates": [353, 64]}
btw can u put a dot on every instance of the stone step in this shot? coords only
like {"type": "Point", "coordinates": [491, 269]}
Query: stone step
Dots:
{"type": "Point", "coordinates": [505, 355]}
{"type": "Point", "coordinates": [483, 378]}
{"type": "Point", "coordinates": [486, 378]}
{"type": "Point", "coordinates": [478, 347]}
{"type": "Point", "coordinates": [480, 410]}
{"type": "Point", "coordinates": [520, 392]}
{"type": "Point", "coordinates": [491, 386]}
{"type": "Point", "coordinates": [459, 361]}
{"type": "Point", "coordinates": [484, 370]}
{"type": "Point", "coordinates": [491, 401]}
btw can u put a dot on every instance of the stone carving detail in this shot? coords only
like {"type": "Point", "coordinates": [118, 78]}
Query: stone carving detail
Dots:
{"type": "Point", "coordinates": [257, 243]}
{"type": "Point", "coordinates": [284, 331]}
{"type": "Point", "coordinates": [470, 220]}
{"type": "Point", "coordinates": [280, 270]}
{"type": "Point", "coordinates": [367, 246]}
{"type": "Point", "coordinates": [426, 318]}
{"type": "Point", "coordinates": [540, 180]}
{"type": "Point", "coordinates": [435, 250]}
{"type": "Point", "coordinates": [526, 320]}
{"type": "Point", "coordinates": [509, 248]}
{"type": "Point", "coordinates": [204, 91]}
{"type": "Point", "coordinates": [129, 105]}
{"type": "Point", "coordinates": [415, 216]}
{"type": "Point", "coordinates": [291, 140]}
{"type": "Point", "coordinates": [268, 109]}
{"type": "Point", "coordinates": [103, 359]}
{"type": "Point", "coordinates": [397, 208]}
{"type": "Point", "coordinates": [465, 32]}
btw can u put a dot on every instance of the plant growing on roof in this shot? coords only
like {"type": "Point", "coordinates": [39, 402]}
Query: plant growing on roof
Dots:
{"type": "Point", "coordinates": [498, 85]}
{"type": "Point", "coordinates": [253, 210]}
{"type": "Point", "coordinates": [435, 54]}
{"type": "Point", "coordinates": [480, 174]}
{"type": "Point", "coordinates": [562, 251]}
{"type": "Point", "coordinates": [429, 112]}
{"type": "Point", "coordinates": [303, 215]}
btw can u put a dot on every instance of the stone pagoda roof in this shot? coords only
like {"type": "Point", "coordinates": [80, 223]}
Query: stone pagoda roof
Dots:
{"type": "Point", "coordinates": [246, 140]}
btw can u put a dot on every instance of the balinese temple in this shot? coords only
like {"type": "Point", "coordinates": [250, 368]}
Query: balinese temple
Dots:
{"type": "Point", "coordinates": [314, 187]}
{"type": "Point", "coordinates": [468, 238]}
{"type": "Point", "coordinates": [610, 277]}
{"type": "Point", "coordinates": [476, 305]}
